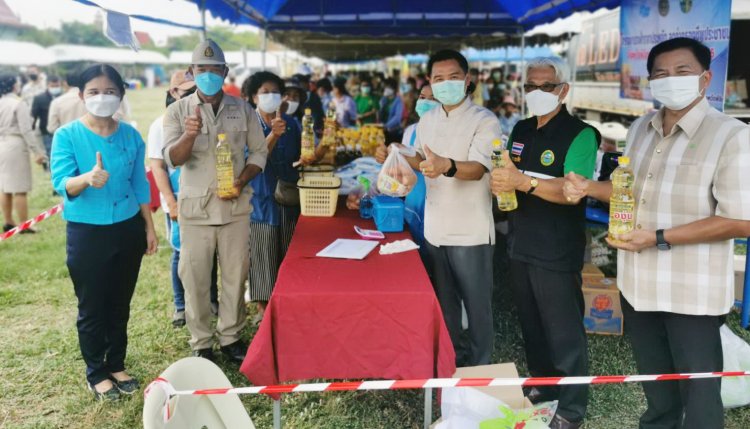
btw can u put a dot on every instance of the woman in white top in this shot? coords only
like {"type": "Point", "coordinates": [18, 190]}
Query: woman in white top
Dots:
{"type": "Point", "coordinates": [346, 109]}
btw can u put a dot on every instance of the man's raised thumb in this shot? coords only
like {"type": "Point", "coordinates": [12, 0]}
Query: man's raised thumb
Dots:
{"type": "Point", "coordinates": [99, 160]}
{"type": "Point", "coordinates": [198, 111]}
{"type": "Point", "coordinates": [427, 152]}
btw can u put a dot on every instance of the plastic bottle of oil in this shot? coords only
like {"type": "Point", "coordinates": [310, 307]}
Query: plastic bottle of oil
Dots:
{"type": "Point", "coordinates": [621, 203]}
{"type": "Point", "coordinates": [308, 135]}
{"type": "Point", "coordinates": [506, 201]}
{"type": "Point", "coordinates": [329, 129]}
{"type": "Point", "coordinates": [224, 169]}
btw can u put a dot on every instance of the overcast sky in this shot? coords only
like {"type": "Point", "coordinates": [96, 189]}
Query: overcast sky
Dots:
{"type": "Point", "coordinates": [50, 13]}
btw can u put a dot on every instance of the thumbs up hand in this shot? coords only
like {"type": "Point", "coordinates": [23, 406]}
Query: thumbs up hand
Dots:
{"type": "Point", "coordinates": [434, 165]}
{"type": "Point", "coordinates": [575, 187]}
{"type": "Point", "coordinates": [194, 123]}
{"type": "Point", "coordinates": [98, 176]}
{"type": "Point", "coordinates": [278, 124]}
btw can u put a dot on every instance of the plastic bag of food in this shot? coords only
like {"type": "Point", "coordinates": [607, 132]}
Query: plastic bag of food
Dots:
{"type": "Point", "coordinates": [537, 417]}
{"type": "Point", "coordinates": [735, 391]}
{"type": "Point", "coordinates": [396, 177]}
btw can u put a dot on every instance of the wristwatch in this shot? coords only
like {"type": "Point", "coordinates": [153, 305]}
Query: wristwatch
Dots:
{"type": "Point", "coordinates": [661, 243]}
{"type": "Point", "coordinates": [534, 184]}
{"type": "Point", "coordinates": [451, 171]}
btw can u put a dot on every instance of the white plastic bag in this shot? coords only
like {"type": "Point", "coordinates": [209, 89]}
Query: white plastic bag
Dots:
{"type": "Point", "coordinates": [467, 408]}
{"type": "Point", "coordinates": [735, 391]}
{"type": "Point", "coordinates": [396, 178]}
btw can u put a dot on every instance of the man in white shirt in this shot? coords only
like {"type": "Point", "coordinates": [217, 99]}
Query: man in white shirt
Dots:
{"type": "Point", "coordinates": [454, 144]}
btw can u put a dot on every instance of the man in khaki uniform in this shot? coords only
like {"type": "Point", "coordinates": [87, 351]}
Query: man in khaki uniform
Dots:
{"type": "Point", "coordinates": [208, 223]}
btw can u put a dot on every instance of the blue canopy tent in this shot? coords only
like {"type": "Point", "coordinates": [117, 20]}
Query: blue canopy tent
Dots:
{"type": "Point", "coordinates": [340, 30]}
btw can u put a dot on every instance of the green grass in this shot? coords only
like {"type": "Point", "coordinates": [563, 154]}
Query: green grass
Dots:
{"type": "Point", "coordinates": [42, 374]}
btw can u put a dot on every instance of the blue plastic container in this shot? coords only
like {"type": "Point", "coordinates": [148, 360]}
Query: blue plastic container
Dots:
{"type": "Point", "coordinates": [388, 213]}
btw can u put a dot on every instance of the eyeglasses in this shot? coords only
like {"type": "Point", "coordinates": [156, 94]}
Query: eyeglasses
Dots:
{"type": "Point", "coordinates": [546, 87]}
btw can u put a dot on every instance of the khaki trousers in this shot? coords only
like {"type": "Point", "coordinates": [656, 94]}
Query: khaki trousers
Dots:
{"type": "Point", "coordinates": [198, 244]}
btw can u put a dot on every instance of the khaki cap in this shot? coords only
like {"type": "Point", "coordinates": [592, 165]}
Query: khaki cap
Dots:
{"type": "Point", "coordinates": [181, 80]}
{"type": "Point", "coordinates": [209, 53]}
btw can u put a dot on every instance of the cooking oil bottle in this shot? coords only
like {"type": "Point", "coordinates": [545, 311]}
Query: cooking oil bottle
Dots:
{"type": "Point", "coordinates": [308, 135]}
{"type": "Point", "coordinates": [225, 169]}
{"type": "Point", "coordinates": [506, 201]}
{"type": "Point", "coordinates": [621, 203]}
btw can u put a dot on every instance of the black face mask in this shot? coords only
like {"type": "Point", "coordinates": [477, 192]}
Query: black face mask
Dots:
{"type": "Point", "coordinates": [33, 77]}
{"type": "Point", "coordinates": [171, 99]}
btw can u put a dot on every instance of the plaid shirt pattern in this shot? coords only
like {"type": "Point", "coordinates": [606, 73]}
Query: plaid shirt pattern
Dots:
{"type": "Point", "coordinates": [691, 174]}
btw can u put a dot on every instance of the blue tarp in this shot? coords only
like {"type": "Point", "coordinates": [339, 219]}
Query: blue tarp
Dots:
{"type": "Point", "coordinates": [487, 55]}
{"type": "Point", "coordinates": [393, 17]}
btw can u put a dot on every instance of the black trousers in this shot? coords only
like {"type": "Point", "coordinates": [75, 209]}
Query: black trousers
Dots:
{"type": "Point", "coordinates": [103, 261]}
{"type": "Point", "coordinates": [665, 343]}
{"type": "Point", "coordinates": [550, 308]}
{"type": "Point", "coordinates": [464, 273]}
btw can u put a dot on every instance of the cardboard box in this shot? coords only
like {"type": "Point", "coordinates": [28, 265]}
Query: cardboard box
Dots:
{"type": "Point", "coordinates": [591, 273]}
{"type": "Point", "coordinates": [511, 395]}
{"type": "Point", "coordinates": [602, 310]}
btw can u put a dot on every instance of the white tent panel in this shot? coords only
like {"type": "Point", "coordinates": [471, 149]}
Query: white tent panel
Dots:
{"type": "Point", "coordinates": [66, 53]}
{"type": "Point", "coordinates": [233, 58]}
{"type": "Point", "coordinates": [24, 54]}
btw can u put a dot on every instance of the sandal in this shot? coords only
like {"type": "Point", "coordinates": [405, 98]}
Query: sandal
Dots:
{"type": "Point", "coordinates": [112, 394]}
{"type": "Point", "coordinates": [127, 387]}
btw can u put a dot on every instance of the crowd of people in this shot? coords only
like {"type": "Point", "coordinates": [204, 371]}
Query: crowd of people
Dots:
{"type": "Point", "coordinates": [672, 269]}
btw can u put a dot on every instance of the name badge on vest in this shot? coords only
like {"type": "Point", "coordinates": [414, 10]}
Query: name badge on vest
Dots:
{"type": "Point", "coordinates": [515, 151]}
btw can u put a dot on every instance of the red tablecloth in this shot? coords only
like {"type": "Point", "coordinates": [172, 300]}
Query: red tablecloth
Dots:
{"type": "Point", "coordinates": [345, 319]}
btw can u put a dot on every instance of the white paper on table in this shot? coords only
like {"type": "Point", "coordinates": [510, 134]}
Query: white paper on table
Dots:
{"type": "Point", "coordinates": [399, 246]}
{"type": "Point", "coordinates": [348, 249]}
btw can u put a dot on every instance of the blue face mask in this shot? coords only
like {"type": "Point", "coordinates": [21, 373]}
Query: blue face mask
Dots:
{"type": "Point", "coordinates": [449, 92]}
{"type": "Point", "coordinates": [424, 106]}
{"type": "Point", "coordinates": [209, 83]}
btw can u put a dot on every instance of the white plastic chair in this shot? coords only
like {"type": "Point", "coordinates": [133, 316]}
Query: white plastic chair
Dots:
{"type": "Point", "coordinates": [197, 411]}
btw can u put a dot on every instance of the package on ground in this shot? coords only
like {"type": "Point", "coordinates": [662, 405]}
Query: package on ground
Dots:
{"type": "Point", "coordinates": [739, 276]}
{"type": "Point", "coordinates": [735, 391]}
{"type": "Point", "coordinates": [466, 407]}
{"type": "Point", "coordinates": [591, 272]}
{"type": "Point", "coordinates": [602, 310]}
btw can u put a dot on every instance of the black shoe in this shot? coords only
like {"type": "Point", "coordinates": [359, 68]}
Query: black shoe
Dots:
{"type": "Point", "coordinates": [112, 394]}
{"type": "Point", "coordinates": [235, 351]}
{"type": "Point", "coordinates": [127, 387]}
{"type": "Point", "coordinates": [537, 396]}
{"type": "Point", "coordinates": [178, 320]}
{"type": "Point", "coordinates": [28, 231]}
{"type": "Point", "coordinates": [205, 354]}
{"type": "Point", "coordinates": [7, 227]}
{"type": "Point", "coordinates": [559, 422]}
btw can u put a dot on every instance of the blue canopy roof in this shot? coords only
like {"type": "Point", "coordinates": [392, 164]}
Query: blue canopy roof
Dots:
{"type": "Point", "coordinates": [394, 17]}
{"type": "Point", "coordinates": [347, 30]}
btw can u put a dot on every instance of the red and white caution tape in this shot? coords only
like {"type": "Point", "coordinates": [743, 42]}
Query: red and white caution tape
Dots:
{"type": "Point", "coordinates": [31, 222]}
{"type": "Point", "coordinates": [439, 383]}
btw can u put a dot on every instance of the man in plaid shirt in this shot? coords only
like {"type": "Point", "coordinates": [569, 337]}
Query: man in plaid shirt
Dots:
{"type": "Point", "coordinates": [675, 270]}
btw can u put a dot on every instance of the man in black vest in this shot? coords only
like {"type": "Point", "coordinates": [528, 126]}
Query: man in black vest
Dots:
{"type": "Point", "coordinates": [547, 238]}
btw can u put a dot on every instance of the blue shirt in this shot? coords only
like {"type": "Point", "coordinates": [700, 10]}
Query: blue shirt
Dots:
{"type": "Point", "coordinates": [74, 149]}
{"type": "Point", "coordinates": [415, 200]}
{"type": "Point", "coordinates": [391, 112]}
{"type": "Point", "coordinates": [279, 166]}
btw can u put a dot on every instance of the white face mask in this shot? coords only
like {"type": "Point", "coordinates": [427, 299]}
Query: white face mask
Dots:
{"type": "Point", "coordinates": [541, 103]}
{"type": "Point", "coordinates": [676, 92]}
{"type": "Point", "coordinates": [292, 109]}
{"type": "Point", "coordinates": [388, 92]}
{"type": "Point", "coordinates": [268, 103]}
{"type": "Point", "coordinates": [55, 90]}
{"type": "Point", "coordinates": [102, 105]}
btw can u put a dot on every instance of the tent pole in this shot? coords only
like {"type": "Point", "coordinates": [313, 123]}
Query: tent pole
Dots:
{"type": "Point", "coordinates": [203, 20]}
{"type": "Point", "coordinates": [571, 97]}
{"type": "Point", "coordinates": [523, 73]}
{"type": "Point", "coordinates": [264, 47]}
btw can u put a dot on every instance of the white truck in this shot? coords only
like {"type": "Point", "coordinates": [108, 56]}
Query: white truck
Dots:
{"type": "Point", "coordinates": [593, 55]}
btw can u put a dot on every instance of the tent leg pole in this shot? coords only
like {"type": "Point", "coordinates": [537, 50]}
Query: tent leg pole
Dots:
{"type": "Point", "coordinates": [523, 73]}
{"type": "Point", "coordinates": [264, 48]}
{"type": "Point", "coordinates": [427, 408]}
{"type": "Point", "coordinates": [277, 414]}
{"type": "Point", "coordinates": [203, 20]}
